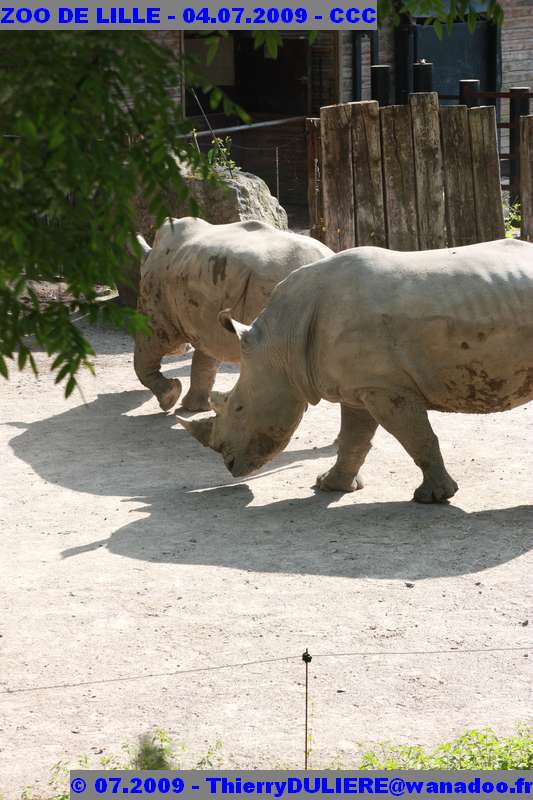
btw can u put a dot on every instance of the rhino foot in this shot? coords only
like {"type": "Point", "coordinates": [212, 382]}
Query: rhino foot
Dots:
{"type": "Point", "coordinates": [170, 396]}
{"type": "Point", "coordinates": [435, 491]}
{"type": "Point", "coordinates": [196, 401]}
{"type": "Point", "coordinates": [334, 481]}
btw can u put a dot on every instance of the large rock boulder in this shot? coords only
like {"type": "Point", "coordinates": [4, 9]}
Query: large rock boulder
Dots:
{"type": "Point", "coordinates": [239, 196]}
{"type": "Point", "coordinates": [236, 196]}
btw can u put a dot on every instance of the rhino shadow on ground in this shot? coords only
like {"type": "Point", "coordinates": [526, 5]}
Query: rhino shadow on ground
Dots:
{"type": "Point", "coordinates": [195, 515]}
{"type": "Point", "coordinates": [100, 448]}
{"type": "Point", "coordinates": [387, 541]}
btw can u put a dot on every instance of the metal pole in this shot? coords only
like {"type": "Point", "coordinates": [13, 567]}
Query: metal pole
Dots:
{"type": "Point", "coordinates": [519, 107]}
{"type": "Point", "coordinates": [306, 658]}
{"type": "Point", "coordinates": [277, 172]}
{"type": "Point", "coordinates": [381, 82]}
{"type": "Point", "coordinates": [423, 76]}
{"type": "Point", "coordinates": [467, 92]}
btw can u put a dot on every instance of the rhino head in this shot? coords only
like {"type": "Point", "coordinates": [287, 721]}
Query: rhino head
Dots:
{"type": "Point", "coordinates": [256, 419]}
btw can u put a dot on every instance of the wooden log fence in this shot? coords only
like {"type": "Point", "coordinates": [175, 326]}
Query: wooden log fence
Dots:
{"type": "Point", "coordinates": [526, 176]}
{"type": "Point", "coordinates": [337, 177]}
{"type": "Point", "coordinates": [458, 185]}
{"type": "Point", "coordinates": [399, 178]}
{"type": "Point", "coordinates": [410, 177]}
{"type": "Point", "coordinates": [469, 94]}
{"type": "Point", "coordinates": [486, 171]}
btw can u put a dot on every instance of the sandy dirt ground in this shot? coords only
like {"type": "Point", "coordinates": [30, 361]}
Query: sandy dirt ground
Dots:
{"type": "Point", "coordinates": [128, 554]}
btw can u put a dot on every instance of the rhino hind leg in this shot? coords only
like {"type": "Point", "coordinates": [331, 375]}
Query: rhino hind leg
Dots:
{"type": "Point", "coordinates": [353, 444]}
{"type": "Point", "coordinates": [203, 374]}
{"type": "Point", "coordinates": [149, 350]}
{"type": "Point", "coordinates": [406, 418]}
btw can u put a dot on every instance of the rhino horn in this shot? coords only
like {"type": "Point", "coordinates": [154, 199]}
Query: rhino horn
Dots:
{"type": "Point", "coordinates": [145, 247]}
{"type": "Point", "coordinates": [217, 400]}
{"type": "Point", "coordinates": [231, 325]}
{"type": "Point", "coordinates": [201, 429]}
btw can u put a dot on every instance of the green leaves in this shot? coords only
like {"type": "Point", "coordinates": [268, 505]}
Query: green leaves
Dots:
{"type": "Point", "coordinates": [474, 750]}
{"type": "Point", "coordinates": [439, 12]}
{"type": "Point", "coordinates": [92, 123]}
{"type": "Point", "coordinates": [270, 40]}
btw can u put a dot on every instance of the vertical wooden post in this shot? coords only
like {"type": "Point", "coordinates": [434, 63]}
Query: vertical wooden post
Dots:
{"type": "Point", "coordinates": [314, 179]}
{"type": "Point", "coordinates": [381, 84]}
{"type": "Point", "coordinates": [519, 108]}
{"type": "Point", "coordinates": [337, 177]}
{"type": "Point", "coordinates": [399, 178]}
{"type": "Point", "coordinates": [367, 174]}
{"type": "Point", "coordinates": [526, 176]}
{"type": "Point", "coordinates": [458, 178]}
{"type": "Point", "coordinates": [467, 90]}
{"type": "Point", "coordinates": [423, 76]}
{"type": "Point", "coordinates": [486, 173]}
{"type": "Point", "coordinates": [428, 170]}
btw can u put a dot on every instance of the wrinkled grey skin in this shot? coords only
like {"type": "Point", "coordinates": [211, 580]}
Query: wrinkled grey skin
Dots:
{"type": "Point", "coordinates": [387, 335]}
{"type": "Point", "coordinates": [193, 271]}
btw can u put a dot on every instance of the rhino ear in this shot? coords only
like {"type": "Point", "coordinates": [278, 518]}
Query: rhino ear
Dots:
{"type": "Point", "coordinates": [232, 325]}
{"type": "Point", "coordinates": [201, 429]}
{"type": "Point", "coordinates": [217, 400]}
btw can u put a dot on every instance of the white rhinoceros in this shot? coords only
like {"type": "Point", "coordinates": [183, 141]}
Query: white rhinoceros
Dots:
{"type": "Point", "coordinates": [387, 335]}
{"type": "Point", "coordinates": [193, 271]}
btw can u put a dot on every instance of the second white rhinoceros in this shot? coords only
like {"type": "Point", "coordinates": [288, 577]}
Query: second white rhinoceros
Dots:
{"type": "Point", "coordinates": [387, 335]}
{"type": "Point", "coordinates": [193, 271]}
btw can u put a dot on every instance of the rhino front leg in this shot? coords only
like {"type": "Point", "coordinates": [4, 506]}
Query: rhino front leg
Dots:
{"type": "Point", "coordinates": [149, 350]}
{"type": "Point", "coordinates": [406, 418]}
{"type": "Point", "coordinates": [353, 444]}
{"type": "Point", "coordinates": [203, 374]}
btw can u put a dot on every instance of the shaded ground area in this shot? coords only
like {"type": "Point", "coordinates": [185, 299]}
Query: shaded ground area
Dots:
{"type": "Point", "coordinates": [128, 551]}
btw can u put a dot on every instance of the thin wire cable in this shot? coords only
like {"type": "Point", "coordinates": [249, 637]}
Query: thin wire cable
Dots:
{"type": "Point", "coordinates": [359, 654]}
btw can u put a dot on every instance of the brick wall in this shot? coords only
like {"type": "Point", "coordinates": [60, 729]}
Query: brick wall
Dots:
{"type": "Point", "coordinates": [517, 43]}
{"type": "Point", "coordinates": [324, 71]}
{"type": "Point", "coordinates": [345, 67]}
{"type": "Point", "coordinates": [174, 41]}
{"type": "Point", "coordinates": [517, 53]}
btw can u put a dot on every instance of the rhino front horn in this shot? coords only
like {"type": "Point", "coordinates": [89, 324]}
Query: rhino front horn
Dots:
{"type": "Point", "coordinates": [201, 429]}
{"type": "Point", "coordinates": [145, 247]}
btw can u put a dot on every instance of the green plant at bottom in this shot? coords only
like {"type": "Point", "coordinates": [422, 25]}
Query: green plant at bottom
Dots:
{"type": "Point", "coordinates": [475, 749]}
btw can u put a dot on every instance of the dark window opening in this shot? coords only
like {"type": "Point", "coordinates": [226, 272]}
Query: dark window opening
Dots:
{"type": "Point", "coordinates": [264, 87]}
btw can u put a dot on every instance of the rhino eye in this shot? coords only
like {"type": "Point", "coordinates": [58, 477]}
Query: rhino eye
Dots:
{"type": "Point", "coordinates": [239, 408]}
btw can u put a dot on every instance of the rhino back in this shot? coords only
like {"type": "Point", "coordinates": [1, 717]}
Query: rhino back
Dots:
{"type": "Point", "coordinates": [197, 269]}
{"type": "Point", "coordinates": [456, 325]}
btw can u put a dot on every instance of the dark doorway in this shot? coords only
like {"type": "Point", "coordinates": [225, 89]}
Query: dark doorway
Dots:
{"type": "Point", "coordinates": [272, 85]}
{"type": "Point", "coordinates": [269, 87]}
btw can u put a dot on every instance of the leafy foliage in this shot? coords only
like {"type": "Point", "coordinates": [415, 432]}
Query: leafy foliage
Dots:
{"type": "Point", "coordinates": [513, 220]}
{"type": "Point", "coordinates": [154, 750]}
{"type": "Point", "coordinates": [219, 154]}
{"type": "Point", "coordinates": [439, 12]}
{"type": "Point", "coordinates": [89, 118]}
{"type": "Point", "coordinates": [476, 749]}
